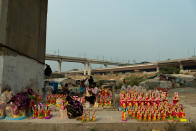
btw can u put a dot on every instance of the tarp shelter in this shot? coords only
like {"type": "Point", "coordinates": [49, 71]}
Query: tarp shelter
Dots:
{"type": "Point", "coordinates": [56, 83]}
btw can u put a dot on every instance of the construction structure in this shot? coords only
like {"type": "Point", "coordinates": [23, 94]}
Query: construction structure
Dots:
{"type": "Point", "coordinates": [185, 64]}
{"type": "Point", "coordinates": [85, 61]}
{"type": "Point", "coordinates": [22, 43]}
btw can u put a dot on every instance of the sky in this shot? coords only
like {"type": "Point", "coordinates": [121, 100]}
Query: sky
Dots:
{"type": "Point", "coordinates": [121, 30]}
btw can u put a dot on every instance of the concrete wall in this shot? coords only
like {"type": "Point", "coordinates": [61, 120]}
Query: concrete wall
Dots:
{"type": "Point", "coordinates": [20, 72]}
{"type": "Point", "coordinates": [1, 70]}
{"type": "Point", "coordinates": [22, 43]}
{"type": "Point", "coordinates": [23, 26]}
{"type": "Point", "coordinates": [3, 20]}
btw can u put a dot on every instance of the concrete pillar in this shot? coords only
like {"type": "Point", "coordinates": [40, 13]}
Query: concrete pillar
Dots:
{"type": "Point", "coordinates": [22, 43]}
{"type": "Point", "coordinates": [89, 69]}
{"type": "Point", "coordinates": [60, 63]}
{"type": "Point", "coordinates": [157, 68]}
{"type": "Point", "coordinates": [181, 68]}
{"type": "Point", "coordinates": [85, 71]}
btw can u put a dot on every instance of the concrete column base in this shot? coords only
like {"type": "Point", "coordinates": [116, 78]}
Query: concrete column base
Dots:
{"type": "Point", "coordinates": [181, 68]}
{"type": "Point", "coordinates": [85, 71]}
{"type": "Point", "coordinates": [20, 72]}
{"type": "Point", "coordinates": [89, 69]}
{"type": "Point", "coordinates": [60, 63]}
{"type": "Point", "coordinates": [182, 71]}
{"type": "Point", "coordinates": [157, 69]}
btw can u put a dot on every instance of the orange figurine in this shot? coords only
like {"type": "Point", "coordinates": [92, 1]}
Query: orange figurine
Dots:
{"type": "Point", "coordinates": [158, 116]}
{"type": "Point", "coordinates": [133, 115]}
{"type": "Point", "coordinates": [105, 103]}
{"type": "Point", "coordinates": [35, 113]}
{"type": "Point", "coordinates": [183, 114]}
{"type": "Point", "coordinates": [140, 116]}
{"type": "Point", "coordinates": [149, 116]}
{"type": "Point", "coordinates": [129, 111]}
{"type": "Point", "coordinates": [88, 117]}
{"type": "Point", "coordinates": [93, 117]}
{"type": "Point", "coordinates": [124, 118]}
{"type": "Point", "coordinates": [154, 117]}
{"type": "Point", "coordinates": [83, 117]}
{"type": "Point", "coordinates": [145, 116]}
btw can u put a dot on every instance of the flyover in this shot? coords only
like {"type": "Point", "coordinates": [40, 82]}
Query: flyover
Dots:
{"type": "Point", "coordinates": [84, 61]}
{"type": "Point", "coordinates": [183, 64]}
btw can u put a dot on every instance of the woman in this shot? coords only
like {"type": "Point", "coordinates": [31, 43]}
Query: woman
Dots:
{"type": "Point", "coordinates": [74, 108]}
{"type": "Point", "coordinates": [93, 91]}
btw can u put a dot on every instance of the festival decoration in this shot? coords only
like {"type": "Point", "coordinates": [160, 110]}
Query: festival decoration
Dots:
{"type": "Point", "coordinates": [83, 117]}
{"type": "Point", "coordinates": [2, 111]}
{"type": "Point", "coordinates": [93, 117]}
{"type": "Point", "coordinates": [105, 98]}
{"type": "Point", "coordinates": [39, 112]}
{"type": "Point", "coordinates": [124, 118]}
{"type": "Point", "coordinates": [12, 112]}
{"type": "Point", "coordinates": [63, 111]}
{"type": "Point", "coordinates": [151, 105]}
{"type": "Point", "coordinates": [88, 116]}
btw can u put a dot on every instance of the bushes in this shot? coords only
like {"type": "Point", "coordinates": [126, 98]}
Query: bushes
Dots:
{"type": "Point", "coordinates": [131, 80]}
{"type": "Point", "coordinates": [119, 84]}
{"type": "Point", "coordinates": [135, 80]}
{"type": "Point", "coordinates": [169, 70]}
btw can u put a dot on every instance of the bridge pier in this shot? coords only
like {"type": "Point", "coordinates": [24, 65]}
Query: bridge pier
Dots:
{"type": "Point", "coordinates": [157, 68]}
{"type": "Point", "coordinates": [89, 69]}
{"type": "Point", "coordinates": [22, 43]}
{"type": "Point", "coordinates": [60, 63]}
{"type": "Point", "coordinates": [181, 68]}
{"type": "Point", "coordinates": [85, 71]}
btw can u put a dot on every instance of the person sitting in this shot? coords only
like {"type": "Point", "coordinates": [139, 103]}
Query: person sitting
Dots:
{"type": "Point", "coordinates": [74, 108]}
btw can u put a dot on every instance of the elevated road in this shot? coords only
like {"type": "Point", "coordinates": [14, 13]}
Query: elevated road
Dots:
{"type": "Point", "coordinates": [80, 60]}
{"type": "Point", "coordinates": [84, 61]}
{"type": "Point", "coordinates": [182, 64]}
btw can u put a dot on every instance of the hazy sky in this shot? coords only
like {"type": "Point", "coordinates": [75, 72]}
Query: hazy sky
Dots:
{"type": "Point", "coordinates": [121, 30]}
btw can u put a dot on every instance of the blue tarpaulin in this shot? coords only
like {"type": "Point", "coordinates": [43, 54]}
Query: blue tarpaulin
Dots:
{"type": "Point", "coordinates": [54, 85]}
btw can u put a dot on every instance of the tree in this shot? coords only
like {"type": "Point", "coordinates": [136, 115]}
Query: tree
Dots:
{"type": "Point", "coordinates": [169, 70]}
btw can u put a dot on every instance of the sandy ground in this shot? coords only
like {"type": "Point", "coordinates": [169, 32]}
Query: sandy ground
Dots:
{"type": "Point", "coordinates": [109, 120]}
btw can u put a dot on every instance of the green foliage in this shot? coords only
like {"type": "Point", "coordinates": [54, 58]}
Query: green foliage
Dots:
{"type": "Point", "coordinates": [99, 83]}
{"type": "Point", "coordinates": [169, 70]}
{"type": "Point", "coordinates": [119, 84]}
{"type": "Point", "coordinates": [75, 70]}
{"type": "Point", "coordinates": [135, 80]}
